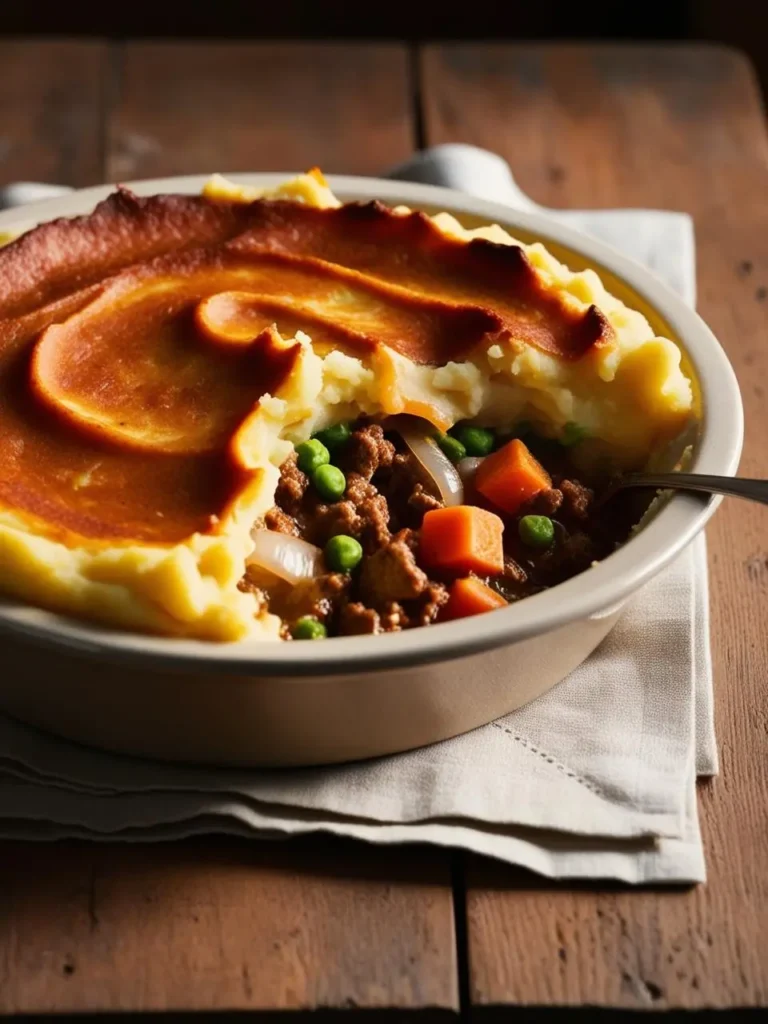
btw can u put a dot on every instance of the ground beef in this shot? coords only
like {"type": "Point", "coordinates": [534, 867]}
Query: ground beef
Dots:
{"type": "Point", "coordinates": [368, 451]}
{"type": "Point", "coordinates": [405, 490]}
{"type": "Point", "coordinates": [394, 618]}
{"type": "Point", "coordinates": [373, 510]}
{"type": "Point", "coordinates": [251, 584]}
{"type": "Point", "coordinates": [576, 498]}
{"type": "Point", "coordinates": [545, 503]}
{"type": "Point", "coordinates": [391, 573]}
{"type": "Point", "coordinates": [422, 501]}
{"type": "Point", "coordinates": [411, 538]}
{"type": "Point", "coordinates": [291, 487]}
{"type": "Point", "coordinates": [330, 520]}
{"type": "Point", "coordinates": [404, 461]}
{"type": "Point", "coordinates": [358, 488]}
{"type": "Point", "coordinates": [432, 600]}
{"type": "Point", "coordinates": [355, 619]}
{"type": "Point", "coordinates": [281, 522]}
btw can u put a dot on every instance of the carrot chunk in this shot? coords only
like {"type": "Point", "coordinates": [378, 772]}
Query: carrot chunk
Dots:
{"type": "Point", "coordinates": [510, 476]}
{"type": "Point", "coordinates": [462, 539]}
{"type": "Point", "coordinates": [470, 596]}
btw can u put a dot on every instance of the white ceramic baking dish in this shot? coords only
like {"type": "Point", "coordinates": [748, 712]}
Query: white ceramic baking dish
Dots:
{"type": "Point", "coordinates": [354, 697]}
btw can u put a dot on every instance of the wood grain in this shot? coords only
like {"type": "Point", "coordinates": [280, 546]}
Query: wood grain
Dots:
{"type": "Point", "coordinates": [223, 924]}
{"type": "Point", "coordinates": [200, 107]}
{"type": "Point", "coordinates": [680, 128]}
{"type": "Point", "coordinates": [51, 109]}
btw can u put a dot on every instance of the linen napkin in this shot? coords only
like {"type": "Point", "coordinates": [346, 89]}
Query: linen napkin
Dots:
{"type": "Point", "coordinates": [596, 779]}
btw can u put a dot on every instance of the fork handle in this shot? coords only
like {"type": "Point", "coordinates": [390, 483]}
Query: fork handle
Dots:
{"type": "Point", "coordinates": [735, 487]}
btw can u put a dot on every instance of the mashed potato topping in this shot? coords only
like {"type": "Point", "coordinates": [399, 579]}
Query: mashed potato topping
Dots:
{"type": "Point", "coordinates": [159, 359]}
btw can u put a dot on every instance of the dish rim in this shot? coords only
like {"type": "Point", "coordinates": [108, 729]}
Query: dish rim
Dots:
{"type": "Point", "coordinates": [596, 591]}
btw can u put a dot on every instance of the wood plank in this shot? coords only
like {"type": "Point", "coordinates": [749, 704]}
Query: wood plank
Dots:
{"type": "Point", "coordinates": [223, 925]}
{"type": "Point", "coordinates": [678, 128]}
{"type": "Point", "coordinates": [51, 109]}
{"type": "Point", "coordinates": [199, 107]}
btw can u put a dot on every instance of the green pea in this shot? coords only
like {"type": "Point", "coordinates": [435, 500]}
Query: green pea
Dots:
{"type": "Point", "coordinates": [342, 553]}
{"type": "Point", "coordinates": [334, 437]}
{"type": "Point", "coordinates": [310, 455]}
{"type": "Point", "coordinates": [477, 441]}
{"type": "Point", "coordinates": [308, 628]}
{"type": "Point", "coordinates": [536, 531]}
{"type": "Point", "coordinates": [454, 449]}
{"type": "Point", "coordinates": [330, 483]}
{"type": "Point", "coordinates": [572, 434]}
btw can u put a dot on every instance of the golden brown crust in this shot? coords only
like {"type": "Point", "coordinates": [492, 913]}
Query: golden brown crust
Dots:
{"type": "Point", "coordinates": [65, 255]}
{"type": "Point", "coordinates": [136, 341]}
{"type": "Point", "coordinates": [410, 251]}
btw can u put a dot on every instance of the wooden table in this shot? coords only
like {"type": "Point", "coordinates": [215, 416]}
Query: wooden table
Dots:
{"type": "Point", "coordinates": [219, 924]}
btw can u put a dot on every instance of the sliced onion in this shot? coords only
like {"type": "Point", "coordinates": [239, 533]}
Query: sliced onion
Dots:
{"type": "Point", "coordinates": [290, 558]}
{"type": "Point", "coordinates": [468, 467]}
{"type": "Point", "coordinates": [417, 435]}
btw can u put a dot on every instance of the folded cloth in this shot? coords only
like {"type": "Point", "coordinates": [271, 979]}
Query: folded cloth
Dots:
{"type": "Point", "coordinates": [595, 779]}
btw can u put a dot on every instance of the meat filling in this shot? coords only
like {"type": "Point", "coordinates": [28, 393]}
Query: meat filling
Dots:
{"type": "Point", "coordinates": [382, 508]}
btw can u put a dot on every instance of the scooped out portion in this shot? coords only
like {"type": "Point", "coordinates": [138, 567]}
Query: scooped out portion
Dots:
{"type": "Point", "coordinates": [262, 415]}
{"type": "Point", "coordinates": [416, 531]}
